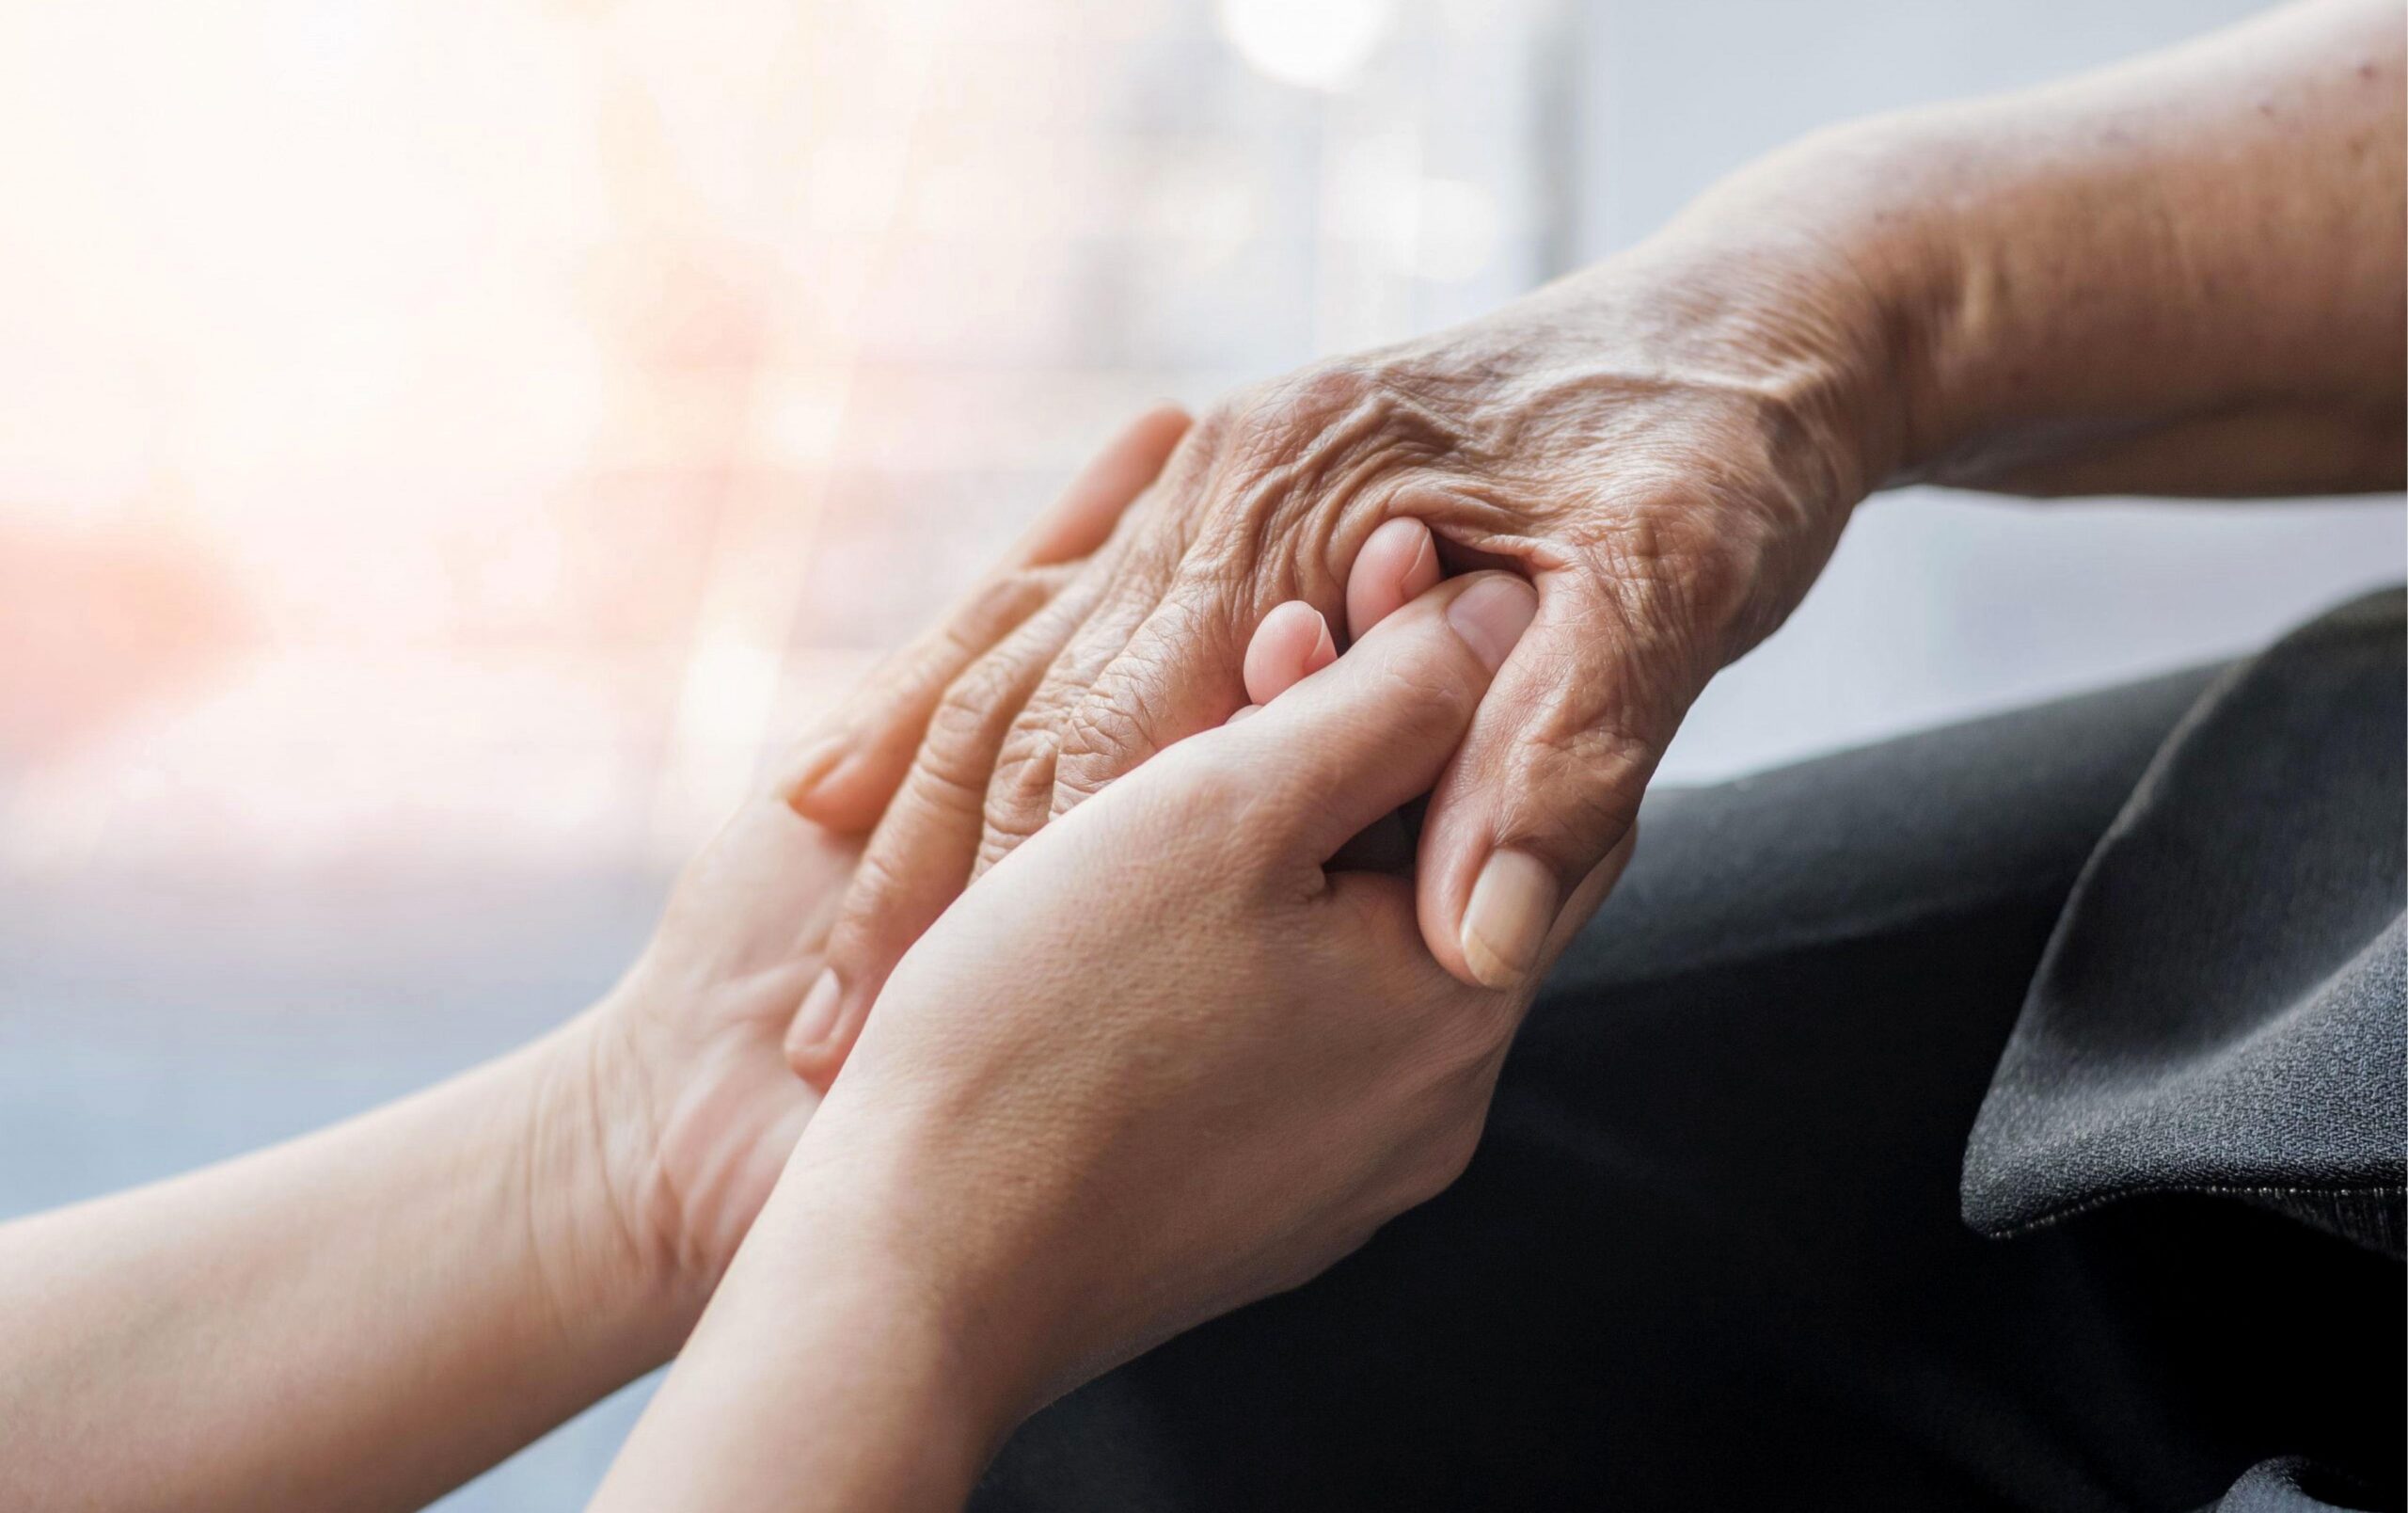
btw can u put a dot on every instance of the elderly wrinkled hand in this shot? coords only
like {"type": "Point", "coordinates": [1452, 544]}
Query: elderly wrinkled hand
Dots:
{"type": "Point", "coordinates": [2025, 293]}
{"type": "Point", "coordinates": [1172, 1055]}
{"type": "Point", "coordinates": [1670, 487]}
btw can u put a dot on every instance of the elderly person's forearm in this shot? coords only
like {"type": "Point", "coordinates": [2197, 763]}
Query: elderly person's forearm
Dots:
{"type": "Point", "coordinates": [2181, 276]}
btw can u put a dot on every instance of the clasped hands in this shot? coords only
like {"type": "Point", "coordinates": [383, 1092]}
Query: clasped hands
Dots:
{"type": "Point", "coordinates": [1202, 1057]}
{"type": "Point", "coordinates": [1095, 953]}
{"type": "Point", "coordinates": [1167, 1058]}
{"type": "Point", "coordinates": [1047, 1005]}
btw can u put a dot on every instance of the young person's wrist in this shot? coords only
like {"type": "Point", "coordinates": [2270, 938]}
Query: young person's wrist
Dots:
{"type": "Point", "coordinates": [867, 1204]}
{"type": "Point", "coordinates": [581, 1132]}
{"type": "Point", "coordinates": [920, 1396]}
{"type": "Point", "coordinates": [847, 1359]}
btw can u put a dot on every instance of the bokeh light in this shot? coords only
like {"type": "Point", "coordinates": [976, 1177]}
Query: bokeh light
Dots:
{"type": "Point", "coordinates": [465, 435]}
{"type": "Point", "coordinates": [1318, 43]}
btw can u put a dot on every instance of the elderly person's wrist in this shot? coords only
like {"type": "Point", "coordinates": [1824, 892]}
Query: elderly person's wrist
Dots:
{"type": "Point", "coordinates": [1866, 262]}
{"type": "Point", "coordinates": [1740, 387]}
{"type": "Point", "coordinates": [1830, 271]}
{"type": "Point", "coordinates": [1782, 327]}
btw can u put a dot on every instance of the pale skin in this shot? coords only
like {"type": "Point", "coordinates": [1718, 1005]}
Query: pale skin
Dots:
{"type": "Point", "coordinates": [2183, 275]}
{"type": "Point", "coordinates": [370, 1315]}
{"type": "Point", "coordinates": [2180, 277]}
{"type": "Point", "coordinates": [1150, 1071]}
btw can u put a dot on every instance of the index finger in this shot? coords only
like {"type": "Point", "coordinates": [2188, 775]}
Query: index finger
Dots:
{"type": "Point", "coordinates": [1372, 730]}
{"type": "Point", "coordinates": [1180, 670]}
{"type": "Point", "coordinates": [846, 779]}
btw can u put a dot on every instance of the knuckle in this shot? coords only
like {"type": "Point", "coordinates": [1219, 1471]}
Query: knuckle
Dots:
{"type": "Point", "coordinates": [1452, 1157]}
{"type": "Point", "coordinates": [1233, 563]}
{"type": "Point", "coordinates": [1302, 457]}
{"type": "Point", "coordinates": [947, 787]}
{"type": "Point", "coordinates": [1202, 619]}
{"type": "Point", "coordinates": [1213, 427]}
{"type": "Point", "coordinates": [1005, 830]}
{"type": "Point", "coordinates": [1281, 480]}
{"type": "Point", "coordinates": [1113, 728]}
{"type": "Point", "coordinates": [1019, 794]}
{"type": "Point", "coordinates": [1218, 811]}
{"type": "Point", "coordinates": [1579, 790]}
{"type": "Point", "coordinates": [1320, 394]}
{"type": "Point", "coordinates": [1209, 783]}
{"type": "Point", "coordinates": [971, 720]}
{"type": "Point", "coordinates": [994, 607]}
{"type": "Point", "coordinates": [1021, 784]}
{"type": "Point", "coordinates": [1097, 747]}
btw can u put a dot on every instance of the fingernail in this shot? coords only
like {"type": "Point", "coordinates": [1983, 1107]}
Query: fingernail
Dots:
{"type": "Point", "coordinates": [817, 764]}
{"type": "Point", "coordinates": [1424, 551]}
{"type": "Point", "coordinates": [1324, 649]}
{"type": "Point", "coordinates": [815, 1020]}
{"type": "Point", "coordinates": [1513, 907]}
{"type": "Point", "coordinates": [1491, 615]}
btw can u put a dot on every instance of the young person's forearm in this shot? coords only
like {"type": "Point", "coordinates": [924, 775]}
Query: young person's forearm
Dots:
{"type": "Point", "coordinates": [359, 1318]}
{"type": "Point", "coordinates": [2188, 274]}
{"type": "Point", "coordinates": [869, 1388]}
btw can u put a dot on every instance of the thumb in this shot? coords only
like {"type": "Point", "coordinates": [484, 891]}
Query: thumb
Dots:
{"type": "Point", "coordinates": [1372, 731]}
{"type": "Point", "coordinates": [1544, 791]}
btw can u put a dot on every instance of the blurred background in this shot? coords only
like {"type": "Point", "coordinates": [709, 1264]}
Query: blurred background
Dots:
{"type": "Point", "coordinates": [445, 446]}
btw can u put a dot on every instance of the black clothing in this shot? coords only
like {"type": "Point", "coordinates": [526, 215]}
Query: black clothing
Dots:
{"type": "Point", "coordinates": [2219, 1010]}
{"type": "Point", "coordinates": [2144, 946]}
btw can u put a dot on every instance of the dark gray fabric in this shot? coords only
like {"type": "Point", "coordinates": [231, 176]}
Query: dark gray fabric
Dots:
{"type": "Point", "coordinates": [1710, 1251]}
{"type": "Point", "coordinates": [2221, 1006]}
{"type": "Point", "coordinates": [2291, 1485]}
{"type": "Point", "coordinates": [1709, 1255]}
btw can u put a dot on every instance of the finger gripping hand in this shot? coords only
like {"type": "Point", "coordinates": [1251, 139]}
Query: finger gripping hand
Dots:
{"type": "Point", "coordinates": [1176, 956]}
{"type": "Point", "coordinates": [1528, 827]}
{"type": "Point", "coordinates": [1352, 742]}
{"type": "Point", "coordinates": [1398, 564]}
{"type": "Point", "coordinates": [1274, 495]}
{"type": "Point", "coordinates": [913, 749]}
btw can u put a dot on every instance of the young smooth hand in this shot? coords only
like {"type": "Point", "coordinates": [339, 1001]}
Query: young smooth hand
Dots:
{"type": "Point", "coordinates": [1164, 1060]}
{"type": "Point", "coordinates": [486, 1257]}
{"type": "Point", "coordinates": [702, 1105]}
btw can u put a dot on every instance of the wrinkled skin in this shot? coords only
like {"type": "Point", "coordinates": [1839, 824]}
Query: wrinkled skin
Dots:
{"type": "Point", "coordinates": [1133, 980]}
{"type": "Point", "coordinates": [1670, 490]}
{"type": "Point", "coordinates": [2183, 275]}
{"type": "Point", "coordinates": [700, 1106]}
